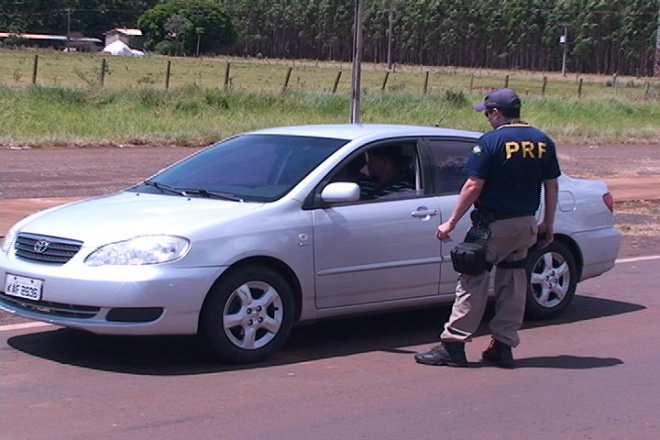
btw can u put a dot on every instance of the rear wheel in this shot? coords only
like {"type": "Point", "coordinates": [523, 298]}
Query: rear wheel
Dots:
{"type": "Point", "coordinates": [248, 315]}
{"type": "Point", "coordinates": [553, 278]}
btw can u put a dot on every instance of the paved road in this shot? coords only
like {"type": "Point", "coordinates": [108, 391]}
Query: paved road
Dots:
{"type": "Point", "coordinates": [590, 375]}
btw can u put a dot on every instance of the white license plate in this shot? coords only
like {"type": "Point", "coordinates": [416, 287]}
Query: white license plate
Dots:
{"type": "Point", "coordinates": [22, 287]}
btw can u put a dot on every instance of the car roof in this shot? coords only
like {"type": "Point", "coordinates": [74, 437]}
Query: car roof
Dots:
{"type": "Point", "coordinates": [351, 132]}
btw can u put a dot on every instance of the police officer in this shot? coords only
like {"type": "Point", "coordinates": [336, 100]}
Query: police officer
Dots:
{"type": "Point", "coordinates": [506, 170]}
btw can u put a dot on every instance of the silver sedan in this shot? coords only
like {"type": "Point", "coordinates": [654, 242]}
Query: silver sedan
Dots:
{"type": "Point", "coordinates": [242, 240]}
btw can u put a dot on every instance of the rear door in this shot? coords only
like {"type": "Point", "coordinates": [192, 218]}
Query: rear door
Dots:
{"type": "Point", "coordinates": [447, 157]}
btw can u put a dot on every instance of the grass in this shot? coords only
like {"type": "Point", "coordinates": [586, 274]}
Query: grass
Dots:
{"type": "Point", "coordinates": [68, 105]}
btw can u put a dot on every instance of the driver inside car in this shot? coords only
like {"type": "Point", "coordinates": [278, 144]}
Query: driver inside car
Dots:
{"type": "Point", "coordinates": [388, 174]}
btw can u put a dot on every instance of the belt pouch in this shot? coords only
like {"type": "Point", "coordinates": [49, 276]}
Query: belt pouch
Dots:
{"type": "Point", "coordinates": [469, 258]}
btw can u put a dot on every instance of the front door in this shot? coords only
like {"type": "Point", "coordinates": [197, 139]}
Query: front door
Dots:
{"type": "Point", "coordinates": [376, 252]}
{"type": "Point", "coordinates": [382, 247]}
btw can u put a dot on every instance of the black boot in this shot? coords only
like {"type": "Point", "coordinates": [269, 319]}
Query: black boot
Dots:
{"type": "Point", "coordinates": [447, 353]}
{"type": "Point", "coordinates": [499, 353]}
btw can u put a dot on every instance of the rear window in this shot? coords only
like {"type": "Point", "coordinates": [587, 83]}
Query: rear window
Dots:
{"type": "Point", "coordinates": [449, 158]}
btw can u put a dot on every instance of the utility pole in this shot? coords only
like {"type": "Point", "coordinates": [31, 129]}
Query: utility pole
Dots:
{"type": "Point", "coordinates": [357, 63]}
{"type": "Point", "coordinates": [656, 65]}
{"type": "Point", "coordinates": [199, 31]}
{"type": "Point", "coordinates": [68, 26]}
{"type": "Point", "coordinates": [563, 40]}
{"type": "Point", "coordinates": [389, 40]}
{"type": "Point", "coordinates": [68, 21]}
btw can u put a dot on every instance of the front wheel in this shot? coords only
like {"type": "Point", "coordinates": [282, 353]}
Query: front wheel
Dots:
{"type": "Point", "coordinates": [248, 315]}
{"type": "Point", "coordinates": [553, 278]}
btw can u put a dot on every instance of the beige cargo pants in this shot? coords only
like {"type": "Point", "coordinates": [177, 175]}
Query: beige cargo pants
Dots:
{"type": "Point", "coordinates": [509, 241]}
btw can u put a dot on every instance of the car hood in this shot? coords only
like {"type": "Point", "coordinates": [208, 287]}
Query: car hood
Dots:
{"type": "Point", "coordinates": [128, 214]}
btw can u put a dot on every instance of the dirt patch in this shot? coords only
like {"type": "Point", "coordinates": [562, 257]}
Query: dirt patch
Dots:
{"type": "Point", "coordinates": [639, 222]}
{"type": "Point", "coordinates": [610, 161]}
{"type": "Point", "coordinates": [79, 172]}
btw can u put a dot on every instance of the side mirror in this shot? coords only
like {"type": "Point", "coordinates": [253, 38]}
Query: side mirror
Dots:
{"type": "Point", "coordinates": [337, 192]}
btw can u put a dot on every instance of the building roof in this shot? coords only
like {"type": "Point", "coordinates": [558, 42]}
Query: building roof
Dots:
{"type": "Point", "coordinates": [49, 37]}
{"type": "Point", "coordinates": [125, 31]}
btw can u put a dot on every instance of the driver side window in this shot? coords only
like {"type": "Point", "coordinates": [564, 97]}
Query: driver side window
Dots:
{"type": "Point", "coordinates": [385, 171]}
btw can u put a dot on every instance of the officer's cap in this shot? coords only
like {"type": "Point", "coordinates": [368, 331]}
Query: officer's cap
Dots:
{"type": "Point", "coordinates": [499, 98]}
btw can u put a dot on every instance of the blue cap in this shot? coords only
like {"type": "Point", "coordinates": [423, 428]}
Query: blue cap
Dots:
{"type": "Point", "coordinates": [501, 98]}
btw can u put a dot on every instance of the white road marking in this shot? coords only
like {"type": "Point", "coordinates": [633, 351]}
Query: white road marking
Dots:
{"type": "Point", "coordinates": [637, 259]}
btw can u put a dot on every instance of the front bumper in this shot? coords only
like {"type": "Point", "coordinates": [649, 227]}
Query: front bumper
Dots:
{"type": "Point", "coordinates": [123, 300]}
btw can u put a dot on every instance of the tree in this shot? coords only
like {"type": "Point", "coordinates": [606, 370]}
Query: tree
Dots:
{"type": "Point", "coordinates": [177, 27]}
{"type": "Point", "coordinates": [153, 23]}
{"type": "Point", "coordinates": [177, 20]}
{"type": "Point", "coordinates": [89, 17]}
{"type": "Point", "coordinates": [605, 36]}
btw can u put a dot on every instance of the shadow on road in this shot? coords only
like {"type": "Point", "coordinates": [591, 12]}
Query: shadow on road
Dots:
{"type": "Point", "coordinates": [184, 355]}
{"type": "Point", "coordinates": [567, 362]}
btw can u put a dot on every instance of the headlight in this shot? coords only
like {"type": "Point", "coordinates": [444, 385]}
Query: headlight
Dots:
{"type": "Point", "coordinates": [152, 249]}
{"type": "Point", "coordinates": [8, 239]}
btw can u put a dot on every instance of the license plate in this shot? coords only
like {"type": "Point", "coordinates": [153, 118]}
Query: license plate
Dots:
{"type": "Point", "coordinates": [22, 287]}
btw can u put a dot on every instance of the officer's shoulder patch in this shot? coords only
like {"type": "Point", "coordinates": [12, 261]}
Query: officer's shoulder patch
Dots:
{"type": "Point", "coordinates": [476, 150]}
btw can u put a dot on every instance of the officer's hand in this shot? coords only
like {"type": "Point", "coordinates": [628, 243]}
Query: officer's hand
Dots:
{"type": "Point", "coordinates": [545, 235]}
{"type": "Point", "coordinates": [443, 232]}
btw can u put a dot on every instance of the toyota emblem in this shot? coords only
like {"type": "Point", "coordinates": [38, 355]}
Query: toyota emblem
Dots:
{"type": "Point", "coordinates": [41, 246]}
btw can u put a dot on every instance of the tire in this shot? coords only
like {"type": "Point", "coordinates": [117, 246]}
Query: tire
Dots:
{"type": "Point", "coordinates": [553, 277]}
{"type": "Point", "coordinates": [248, 315]}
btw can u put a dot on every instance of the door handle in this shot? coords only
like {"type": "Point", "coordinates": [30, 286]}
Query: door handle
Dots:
{"type": "Point", "coordinates": [424, 214]}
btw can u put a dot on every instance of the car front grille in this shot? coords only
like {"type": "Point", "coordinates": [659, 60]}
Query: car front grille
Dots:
{"type": "Point", "coordinates": [45, 249]}
{"type": "Point", "coordinates": [49, 308]}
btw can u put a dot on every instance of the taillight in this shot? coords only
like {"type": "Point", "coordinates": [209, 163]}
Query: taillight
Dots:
{"type": "Point", "coordinates": [609, 201]}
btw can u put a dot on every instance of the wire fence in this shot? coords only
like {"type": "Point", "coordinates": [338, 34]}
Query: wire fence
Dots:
{"type": "Point", "coordinates": [71, 70]}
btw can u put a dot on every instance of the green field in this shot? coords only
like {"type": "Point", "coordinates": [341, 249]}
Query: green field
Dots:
{"type": "Point", "coordinates": [53, 98]}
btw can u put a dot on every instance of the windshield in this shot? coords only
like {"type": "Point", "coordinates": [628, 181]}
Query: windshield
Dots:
{"type": "Point", "coordinates": [252, 167]}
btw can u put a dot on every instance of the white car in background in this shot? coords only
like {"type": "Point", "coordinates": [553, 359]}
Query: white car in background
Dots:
{"type": "Point", "coordinates": [266, 229]}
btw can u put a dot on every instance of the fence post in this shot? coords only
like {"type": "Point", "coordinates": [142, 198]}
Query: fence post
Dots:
{"type": "Point", "coordinates": [168, 72]}
{"type": "Point", "coordinates": [35, 69]}
{"type": "Point", "coordinates": [506, 82]}
{"type": "Point", "coordinates": [580, 88]}
{"type": "Point", "coordinates": [647, 88]}
{"type": "Point", "coordinates": [426, 82]}
{"type": "Point", "coordinates": [614, 83]}
{"type": "Point", "coordinates": [226, 85]}
{"type": "Point", "coordinates": [286, 80]}
{"type": "Point", "coordinates": [544, 86]}
{"type": "Point", "coordinates": [472, 81]}
{"type": "Point", "coordinates": [387, 75]}
{"type": "Point", "coordinates": [336, 84]}
{"type": "Point", "coordinates": [102, 74]}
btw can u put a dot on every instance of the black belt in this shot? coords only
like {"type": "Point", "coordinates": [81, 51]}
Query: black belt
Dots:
{"type": "Point", "coordinates": [508, 215]}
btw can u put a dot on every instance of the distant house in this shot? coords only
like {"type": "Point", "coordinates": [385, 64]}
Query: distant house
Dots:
{"type": "Point", "coordinates": [59, 42]}
{"type": "Point", "coordinates": [130, 37]}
